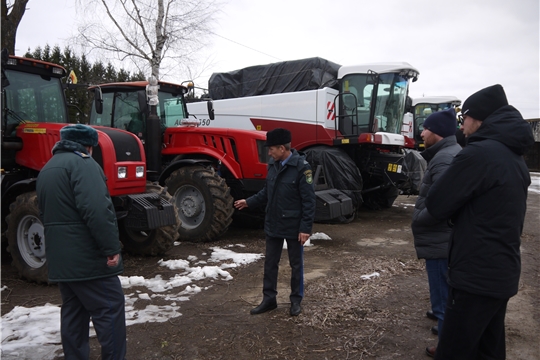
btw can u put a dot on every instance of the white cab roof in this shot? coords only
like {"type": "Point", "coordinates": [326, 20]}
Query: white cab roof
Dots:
{"type": "Point", "coordinates": [437, 100]}
{"type": "Point", "coordinates": [380, 68]}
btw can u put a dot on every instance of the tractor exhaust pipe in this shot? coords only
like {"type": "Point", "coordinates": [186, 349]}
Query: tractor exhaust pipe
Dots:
{"type": "Point", "coordinates": [153, 132]}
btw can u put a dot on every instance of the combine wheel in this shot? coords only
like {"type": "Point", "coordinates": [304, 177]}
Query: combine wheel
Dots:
{"type": "Point", "coordinates": [150, 242]}
{"type": "Point", "coordinates": [204, 202]}
{"type": "Point", "coordinates": [381, 199]}
{"type": "Point", "coordinates": [26, 238]}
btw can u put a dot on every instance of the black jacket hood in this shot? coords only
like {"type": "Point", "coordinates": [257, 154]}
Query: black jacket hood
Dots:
{"type": "Point", "coordinates": [506, 125]}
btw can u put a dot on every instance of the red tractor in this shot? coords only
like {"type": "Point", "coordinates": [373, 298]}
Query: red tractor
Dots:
{"type": "Point", "coordinates": [204, 169]}
{"type": "Point", "coordinates": [34, 110]}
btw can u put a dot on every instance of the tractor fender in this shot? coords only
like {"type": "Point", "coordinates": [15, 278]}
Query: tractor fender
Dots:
{"type": "Point", "coordinates": [14, 190]}
{"type": "Point", "coordinates": [175, 165]}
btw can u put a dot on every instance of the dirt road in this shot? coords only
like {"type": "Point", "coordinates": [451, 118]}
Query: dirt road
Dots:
{"type": "Point", "coordinates": [344, 316]}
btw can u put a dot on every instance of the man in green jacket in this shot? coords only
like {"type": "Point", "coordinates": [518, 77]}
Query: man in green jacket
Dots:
{"type": "Point", "coordinates": [82, 245]}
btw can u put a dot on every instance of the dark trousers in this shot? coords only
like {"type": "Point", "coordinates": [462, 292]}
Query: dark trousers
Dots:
{"type": "Point", "coordinates": [274, 248]}
{"type": "Point", "coordinates": [438, 288]}
{"type": "Point", "coordinates": [103, 301]}
{"type": "Point", "coordinates": [473, 328]}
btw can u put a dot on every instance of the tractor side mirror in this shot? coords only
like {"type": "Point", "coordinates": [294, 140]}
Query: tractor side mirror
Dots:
{"type": "Point", "coordinates": [210, 107]}
{"type": "Point", "coordinates": [98, 100]}
{"type": "Point", "coordinates": [408, 105]}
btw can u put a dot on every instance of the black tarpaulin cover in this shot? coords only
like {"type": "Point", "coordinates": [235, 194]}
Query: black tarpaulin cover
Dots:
{"type": "Point", "coordinates": [414, 166]}
{"type": "Point", "coordinates": [340, 171]}
{"type": "Point", "coordinates": [287, 76]}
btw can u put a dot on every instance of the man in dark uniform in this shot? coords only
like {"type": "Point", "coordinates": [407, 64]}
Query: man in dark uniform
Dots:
{"type": "Point", "coordinates": [289, 197]}
{"type": "Point", "coordinates": [82, 245]}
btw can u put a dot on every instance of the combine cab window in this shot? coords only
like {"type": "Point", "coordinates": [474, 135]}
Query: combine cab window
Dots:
{"type": "Point", "coordinates": [389, 95]}
{"type": "Point", "coordinates": [422, 111]}
{"type": "Point", "coordinates": [33, 98]}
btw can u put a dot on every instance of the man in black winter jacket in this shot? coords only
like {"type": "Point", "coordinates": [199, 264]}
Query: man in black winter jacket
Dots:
{"type": "Point", "coordinates": [484, 193]}
{"type": "Point", "coordinates": [431, 236]}
{"type": "Point", "coordinates": [289, 197]}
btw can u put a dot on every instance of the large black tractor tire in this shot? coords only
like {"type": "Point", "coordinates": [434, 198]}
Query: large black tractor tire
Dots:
{"type": "Point", "coordinates": [381, 199]}
{"type": "Point", "coordinates": [204, 203]}
{"type": "Point", "coordinates": [26, 238]}
{"type": "Point", "coordinates": [151, 242]}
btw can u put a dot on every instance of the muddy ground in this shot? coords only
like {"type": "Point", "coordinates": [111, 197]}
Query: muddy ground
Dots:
{"type": "Point", "coordinates": [344, 316]}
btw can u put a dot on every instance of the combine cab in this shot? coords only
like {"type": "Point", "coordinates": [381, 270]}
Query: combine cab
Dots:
{"type": "Point", "coordinates": [421, 109]}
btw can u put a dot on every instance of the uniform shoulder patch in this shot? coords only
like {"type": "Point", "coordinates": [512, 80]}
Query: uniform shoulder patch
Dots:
{"type": "Point", "coordinates": [81, 154]}
{"type": "Point", "coordinates": [309, 176]}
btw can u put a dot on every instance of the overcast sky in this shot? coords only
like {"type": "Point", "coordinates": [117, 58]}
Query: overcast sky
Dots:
{"type": "Point", "coordinates": [458, 46]}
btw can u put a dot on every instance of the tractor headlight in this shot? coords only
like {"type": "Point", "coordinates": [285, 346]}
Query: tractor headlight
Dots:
{"type": "Point", "coordinates": [122, 172]}
{"type": "Point", "coordinates": [139, 171]}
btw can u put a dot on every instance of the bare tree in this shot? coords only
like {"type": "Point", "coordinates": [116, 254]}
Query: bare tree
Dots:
{"type": "Point", "coordinates": [10, 22]}
{"type": "Point", "coordinates": [153, 34]}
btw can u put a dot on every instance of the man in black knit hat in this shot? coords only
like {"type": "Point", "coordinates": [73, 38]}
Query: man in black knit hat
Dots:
{"type": "Point", "coordinates": [484, 193]}
{"type": "Point", "coordinates": [431, 236]}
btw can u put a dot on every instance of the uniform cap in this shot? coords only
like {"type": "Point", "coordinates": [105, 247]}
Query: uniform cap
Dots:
{"type": "Point", "coordinates": [278, 136]}
{"type": "Point", "coordinates": [79, 133]}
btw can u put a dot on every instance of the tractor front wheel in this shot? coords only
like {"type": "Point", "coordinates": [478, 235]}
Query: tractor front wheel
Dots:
{"type": "Point", "coordinates": [204, 203]}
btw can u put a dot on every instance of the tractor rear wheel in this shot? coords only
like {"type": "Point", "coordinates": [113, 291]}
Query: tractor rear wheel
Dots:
{"type": "Point", "coordinates": [151, 242]}
{"type": "Point", "coordinates": [26, 238]}
{"type": "Point", "coordinates": [204, 202]}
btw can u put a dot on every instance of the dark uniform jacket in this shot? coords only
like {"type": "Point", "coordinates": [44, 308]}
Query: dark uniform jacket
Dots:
{"type": "Point", "coordinates": [484, 192]}
{"type": "Point", "coordinates": [431, 238]}
{"type": "Point", "coordinates": [289, 197]}
{"type": "Point", "coordinates": [78, 215]}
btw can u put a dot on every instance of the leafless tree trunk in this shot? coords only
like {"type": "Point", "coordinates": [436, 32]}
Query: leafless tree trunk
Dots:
{"type": "Point", "coordinates": [10, 22]}
{"type": "Point", "coordinates": [153, 34]}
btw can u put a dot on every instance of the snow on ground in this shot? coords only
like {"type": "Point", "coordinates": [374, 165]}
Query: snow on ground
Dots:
{"type": "Point", "coordinates": [34, 333]}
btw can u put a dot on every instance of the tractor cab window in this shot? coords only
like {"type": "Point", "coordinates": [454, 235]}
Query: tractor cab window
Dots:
{"type": "Point", "coordinates": [126, 112]}
{"type": "Point", "coordinates": [105, 118]}
{"type": "Point", "coordinates": [173, 109]}
{"type": "Point", "coordinates": [32, 98]}
{"type": "Point", "coordinates": [121, 109]}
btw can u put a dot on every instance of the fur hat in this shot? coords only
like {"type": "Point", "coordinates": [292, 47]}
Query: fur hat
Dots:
{"type": "Point", "coordinates": [79, 133]}
{"type": "Point", "coordinates": [442, 123]}
{"type": "Point", "coordinates": [484, 102]}
{"type": "Point", "coordinates": [278, 136]}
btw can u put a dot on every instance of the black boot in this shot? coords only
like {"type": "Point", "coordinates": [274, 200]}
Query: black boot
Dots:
{"type": "Point", "coordinates": [296, 309]}
{"type": "Point", "coordinates": [265, 306]}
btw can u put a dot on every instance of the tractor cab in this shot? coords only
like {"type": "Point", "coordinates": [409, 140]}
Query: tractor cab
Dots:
{"type": "Point", "coordinates": [125, 106]}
